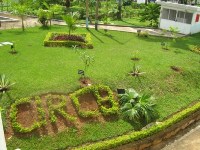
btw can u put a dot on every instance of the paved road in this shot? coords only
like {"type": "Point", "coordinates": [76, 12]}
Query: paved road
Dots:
{"type": "Point", "coordinates": [189, 141]}
{"type": "Point", "coordinates": [30, 22]}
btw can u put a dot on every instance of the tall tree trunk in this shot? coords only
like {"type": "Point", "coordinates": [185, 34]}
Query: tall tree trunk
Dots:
{"type": "Point", "coordinates": [23, 28]}
{"type": "Point", "coordinates": [97, 15]}
{"type": "Point", "coordinates": [67, 3]}
{"type": "Point", "coordinates": [119, 13]}
{"type": "Point", "coordinates": [87, 13]}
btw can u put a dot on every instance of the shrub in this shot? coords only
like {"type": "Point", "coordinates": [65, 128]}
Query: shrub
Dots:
{"type": "Point", "coordinates": [49, 42]}
{"type": "Point", "coordinates": [37, 124]}
{"type": "Point", "coordinates": [135, 136]}
{"type": "Point", "coordinates": [196, 49]}
{"type": "Point", "coordinates": [137, 108]}
{"type": "Point", "coordinates": [5, 84]}
{"type": "Point", "coordinates": [59, 108]}
{"type": "Point", "coordinates": [100, 101]}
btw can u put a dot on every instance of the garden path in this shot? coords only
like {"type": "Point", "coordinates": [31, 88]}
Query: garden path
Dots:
{"type": "Point", "coordinates": [33, 21]}
{"type": "Point", "coordinates": [189, 141]}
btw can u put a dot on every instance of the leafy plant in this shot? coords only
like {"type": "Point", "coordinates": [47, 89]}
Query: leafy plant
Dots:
{"type": "Point", "coordinates": [196, 49]}
{"type": "Point", "coordinates": [71, 21]}
{"type": "Point", "coordinates": [43, 17]}
{"type": "Point", "coordinates": [135, 55]}
{"type": "Point", "coordinates": [137, 108]}
{"type": "Point", "coordinates": [5, 84]}
{"type": "Point", "coordinates": [87, 60]}
{"type": "Point", "coordinates": [164, 45]}
{"type": "Point", "coordinates": [151, 13]}
{"type": "Point", "coordinates": [174, 31]}
{"type": "Point", "coordinates": [136, 71]}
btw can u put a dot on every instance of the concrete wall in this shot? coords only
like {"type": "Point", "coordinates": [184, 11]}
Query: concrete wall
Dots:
{"type": "Point", "coordinates": [195, 25]}
{"type": "Point", "coordinates": [159, 140]}
{"type": "Point", "coordinates": [140, 1]}
{"type": "Point", "coordinates": [182, 27]}
{"type": "Point", "coordinates": [2, 137]}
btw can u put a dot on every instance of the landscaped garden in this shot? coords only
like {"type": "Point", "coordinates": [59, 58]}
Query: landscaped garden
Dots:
{"type": "Point", "coordinates": [48, 88]}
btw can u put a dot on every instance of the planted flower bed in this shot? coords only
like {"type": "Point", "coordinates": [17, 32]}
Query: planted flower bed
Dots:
{"type": "Point", "coordinates": [56, 39]}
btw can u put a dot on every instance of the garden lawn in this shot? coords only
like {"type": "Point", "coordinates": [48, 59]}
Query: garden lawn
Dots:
{"type": "Point", "coordinates": [134, 22]}
{"type": "Point", "coordinates": [37, 70]}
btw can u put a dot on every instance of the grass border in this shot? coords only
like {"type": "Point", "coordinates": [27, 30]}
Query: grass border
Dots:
{"type": "Point", "coordinates": [138, 135]}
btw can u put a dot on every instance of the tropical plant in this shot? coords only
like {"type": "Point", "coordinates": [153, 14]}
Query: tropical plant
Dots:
{"type": "Point", "coordinates": [5, 84]}
{"type": "Point", "coordinates": [136, 71]}
{"type": "Point", "coordinates": [137, 108]}
{"type": "Point", "coordinates": [71, 21]}
{"type": "Point", "coordinates": [43, 17]}
{"type": "Point", "coordinates": [151, 13]}
{"type": "Point", "coordinates": [87, 60]}
{"type": "Point", "coordinates": [174, 32]}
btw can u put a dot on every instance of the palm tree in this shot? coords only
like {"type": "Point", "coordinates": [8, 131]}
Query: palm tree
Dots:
{"type": "Point", "coordinates": [71, 22]}
{"type": "Point", "coordinates": [87, 13]}
{"type": "Point", "coordinates": [97, 14]}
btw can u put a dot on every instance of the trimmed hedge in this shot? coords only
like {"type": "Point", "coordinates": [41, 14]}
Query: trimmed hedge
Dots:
{"type": "Point", "coordinates": [50, 43]}
{"type": "Point", "coordinates": [95, 91]}
{"type": "Point", "coordinates": [137, 135]}
{"type": "Point", "coordinates": [59, 108]}
{"type": "Point", "coordinates": [13, 115]}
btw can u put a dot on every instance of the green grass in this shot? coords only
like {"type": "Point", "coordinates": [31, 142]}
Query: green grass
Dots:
{"type": "Point", "coordinates": [37, 69]}
{"type": "Point", "coordinates": [134, 22]}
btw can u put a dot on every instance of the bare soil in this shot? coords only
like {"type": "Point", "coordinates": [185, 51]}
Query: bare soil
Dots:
{"type": "Point", "coordinates": [27, 115]}
{"type": "Point", "coordinates": [176, 69]}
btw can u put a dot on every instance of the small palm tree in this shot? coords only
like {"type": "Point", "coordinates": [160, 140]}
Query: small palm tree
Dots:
{"type": "Point", "coordinates": [71, 22]}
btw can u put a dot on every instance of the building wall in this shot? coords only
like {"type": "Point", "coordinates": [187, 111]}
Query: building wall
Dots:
{"type": "Point", "coordinates": [182, 27]}
{"type": "Point", "coordinates": [140, 1]}
{"type": "Point", "coordinates": [195, 25]}
{"type": "Point", "coordinates": [2, 138]}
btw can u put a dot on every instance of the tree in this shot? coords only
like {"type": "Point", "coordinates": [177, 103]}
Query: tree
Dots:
{"type": "Point", "coordinates": [20, 10]}
{"type": "Point", "coordinates": [119, 13]}
{"type": "Point", "coordinates": [97, 14]}
{"type": "Point", "coordinates": [87, 13]}
{"type": "Point", "coordinates": [52, 10]}
{"type": "Point", "coordinates": [151, 13]}
{"type": "Point", "coordinates": [71, 22]}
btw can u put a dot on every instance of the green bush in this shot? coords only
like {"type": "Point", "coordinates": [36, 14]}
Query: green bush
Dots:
{"type": "Point", "coordinates": [58, 108]}
{"type": "Point", "coordinates": [14, 111]}
{"type": "Point", "coordinates": [50, 43]}
{"type": "Point", "coordinates": [100, 100]}
{"type": "Point", "coordinates": [134, 136]}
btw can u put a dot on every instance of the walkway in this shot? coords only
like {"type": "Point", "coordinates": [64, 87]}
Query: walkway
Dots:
{"type": "Point", "coordinates": [31, 22]}
{"type": "Point", "coordinates": [189, 141]}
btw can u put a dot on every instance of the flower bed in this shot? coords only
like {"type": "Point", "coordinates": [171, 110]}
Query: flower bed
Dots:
{"type": "Point", "coordinates": [56, 39]}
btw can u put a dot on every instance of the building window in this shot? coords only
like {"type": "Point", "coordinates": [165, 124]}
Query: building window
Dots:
{"type": "Point", "coordinates": [165, 13]}
{"type": "Point", "coordinates": [178, 16]}
{"type": "Point", "coordinates": [188, 17]}
{"type": "Point", "coordinates": [172, 14]}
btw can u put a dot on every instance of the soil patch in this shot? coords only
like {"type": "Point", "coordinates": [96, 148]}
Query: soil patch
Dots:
{"type": "Point", "coordinates": [176, 69]}
{"type": "Point", "coordinates": [103, 93]}
{"type": "Point", "coordinates": [85, 82]}
{"type": "Point", "coordinates": [27, 115]}
{"type": "Point", "coordinates": [135, 59]}
{"type": "Point", "coordinates": [88, 102]}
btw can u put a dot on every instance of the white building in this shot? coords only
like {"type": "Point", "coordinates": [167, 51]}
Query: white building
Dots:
{"type": "Point", "coordinates": [185, 18]}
